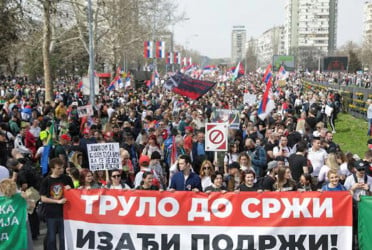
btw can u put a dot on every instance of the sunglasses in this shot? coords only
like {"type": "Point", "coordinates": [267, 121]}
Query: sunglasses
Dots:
{"type": "Point", "coordinates": [115, 176]}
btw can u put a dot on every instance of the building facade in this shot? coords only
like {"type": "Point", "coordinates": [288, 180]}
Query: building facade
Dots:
{"type": "Point", "coordinates": [310, 29]}
{"type": "Point", "coordinates": [238, 44]}
{"type": "Point", "coordinates": [270, 43]}
{"type": "Point", "coordinates": [367, 29]}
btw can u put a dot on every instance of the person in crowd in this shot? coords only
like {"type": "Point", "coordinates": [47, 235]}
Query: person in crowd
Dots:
{"type": "Point", "coordinates": [198, 153]}
{"type": "Point", "coordinates": [147, 182]}
{"type": "Point", "coordinates": [332, 162]}
{"type": "Point", "coordinates": [116, 182]}
{"type": "Point", "coordinates": [369, 117]}
{"type": "Point", "coordinates": [248, 182]}
{"type": "Point", "coordinates": [100, 178]}
{"type": "Point", "coordinates": [244, 162]}
{"type": "Point", "coordinates": [306, 183]}
{"type": "Point", "coordinates": [127, 166]}
{"type": "Point", "coordinates": [157, 168]}
{"type": "Point", "coordinates": [284, 181]}
{"type": "Point", "coordinates": [144, 163]}
{"type": "Point", "coordinates": [231, 156]}
{"type": "Point", "coordinates": [87, 180]}
{"type": "Point", "coordinates": [257, 154]}
{"type": "Point", "coordinates": [74, 174]}
{"type": "Point", "coordinates": [334, 182]}
{"type": "Point", "coordinates": [217, 183]}
{"type": "Point", "coordinates": [317, 156]}
{"type": "Point", "coordinates": [152, 146]}
{"type": "Point", "coordinates": [282, 149]}
{"type": "Point", "coordinates": [298, 162]}
{"type": "Point", "coordinates": [232, 179]}
{"type": "Point", "coordinates": [185, 179]}
{"type": "Point", "coordinates": [206, 171]}
{"type": "Point", "coordinates": [51, 191]}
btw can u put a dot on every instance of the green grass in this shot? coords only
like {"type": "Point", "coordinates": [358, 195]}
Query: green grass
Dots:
{"type": "Point", "coordinates": [351, 134]}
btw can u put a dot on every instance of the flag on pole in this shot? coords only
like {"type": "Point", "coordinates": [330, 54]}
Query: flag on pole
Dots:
{"type": "Point", "coordinates": [236, 72]}
{"type": "Point", "coordinates": [267, 105]}
{"type": "Point", "coordinates": [169, 58]}
{"type": "Point", "coordinates": [116, 82]}
{"type": "Point", "coordinates": [160, 49]}
{"type": "Point", "coordinates": [282, 73]}
{"type": "Point", "coordinates": [186, 86]}
{"type": "Point", "coordinates": [147, 49]}
{"type": "Point", "coordinates": [177, 57]}
{"type": "Point", "coordinates": [268, 74]}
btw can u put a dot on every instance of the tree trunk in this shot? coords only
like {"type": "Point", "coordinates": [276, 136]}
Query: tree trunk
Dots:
{"type": "Point", "coordinates": [46, 53]}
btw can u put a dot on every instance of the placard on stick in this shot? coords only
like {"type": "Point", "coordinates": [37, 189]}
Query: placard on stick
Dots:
{"type": "Point", "coordinates": [104, 156]}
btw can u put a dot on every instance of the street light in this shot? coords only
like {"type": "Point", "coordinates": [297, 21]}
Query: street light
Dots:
{"type": "Point", "coordinates": [91, 55]}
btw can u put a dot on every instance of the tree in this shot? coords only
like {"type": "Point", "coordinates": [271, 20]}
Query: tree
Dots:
{"type": "Point", "coordinates": [354, 63]}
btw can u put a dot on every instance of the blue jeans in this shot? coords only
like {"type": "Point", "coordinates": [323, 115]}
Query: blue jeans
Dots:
{"type": "Point", "coordinates": [54, 226]}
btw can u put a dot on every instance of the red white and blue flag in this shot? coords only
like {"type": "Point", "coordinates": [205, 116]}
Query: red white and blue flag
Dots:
{"type": "Point", "coordinates": [282, 73]}
{"type": "Point", "coordinates": [116, 82]}
{"type": "Point", "coordinates": [268, 74]}
{"type": "Point", "coordinates": [210, 67]}
{"type": "Point", "coordinates": [160, 49]}
{"type": "Point", "coordinates": [177, 57]}
{"type": "Point", "coordinates": [267, 105]}
{"type": "Point", "coordinates": [147, 49]}
{"type": "Point", "coordinates": [169, 58]}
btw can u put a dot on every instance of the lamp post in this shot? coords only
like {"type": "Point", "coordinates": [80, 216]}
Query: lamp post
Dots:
{"type": "Point", "coordinates": [91, 55]}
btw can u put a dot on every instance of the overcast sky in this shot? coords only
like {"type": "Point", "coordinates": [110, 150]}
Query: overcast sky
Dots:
{"type": "Point", "coordinates": [208, 29]}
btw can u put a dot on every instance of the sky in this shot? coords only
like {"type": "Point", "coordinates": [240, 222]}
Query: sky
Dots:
{"type": "Point", "coordinates": [209, 25]}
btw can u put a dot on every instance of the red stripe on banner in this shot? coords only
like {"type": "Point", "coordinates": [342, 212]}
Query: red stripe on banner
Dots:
{"type": "Point", "coordinates": [268, 209]}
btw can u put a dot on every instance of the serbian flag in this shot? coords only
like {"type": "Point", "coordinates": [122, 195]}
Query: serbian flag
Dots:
{"type": "Point", "coordinates": [237, 71]}
{"type": "Point", "coordinates": [147, 49]}
{"type": "Point", "coordinates": [160, 49]}
{"type": "Point", "coordinates": [169, 58]}
{"type": "Point", "coordinates": [268, 74]}
{"type": "Point", "coordinates": [210, 67]}
{"type": "Point", "coordinates": [282, 73]}
{"type": "Point", "coordinates": [176, 57]}
{"type": "Point", "coordinates": [267, 105]}
{"type": "Point", "coordinates": [186, 86]}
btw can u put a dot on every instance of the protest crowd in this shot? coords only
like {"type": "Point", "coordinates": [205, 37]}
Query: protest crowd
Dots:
{"type": "Point", "coordinates": [288, 147]}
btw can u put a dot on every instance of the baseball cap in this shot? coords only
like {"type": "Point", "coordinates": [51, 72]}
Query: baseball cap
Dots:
{"type": "Point", "coordinates": [144, 160]}
{"type": "Point", "coordinates": [271, 165]}
{"type": "Point", "coordinates": [65, 137]}
{"type": "Point", "coordinates": [361, 165]}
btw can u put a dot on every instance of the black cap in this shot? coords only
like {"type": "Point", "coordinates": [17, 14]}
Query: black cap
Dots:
{"type": "Point", "coordinates": [361, 165]}
{"type": "Point", "coordinates": [234, 165]}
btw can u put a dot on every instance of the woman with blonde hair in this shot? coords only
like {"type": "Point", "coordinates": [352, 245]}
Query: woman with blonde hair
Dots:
{"type": "Point", "coordinates": [206, 171]}
{"type": "Point", "coordinates": [331, 163]}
